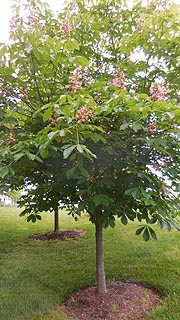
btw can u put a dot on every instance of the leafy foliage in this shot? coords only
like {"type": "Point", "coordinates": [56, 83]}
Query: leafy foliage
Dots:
{"type": "Point", "coordinates": [92, 93]}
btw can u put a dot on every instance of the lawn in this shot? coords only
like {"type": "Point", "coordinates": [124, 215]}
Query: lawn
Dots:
{"type": "Point", "coordinates": [35, 276]}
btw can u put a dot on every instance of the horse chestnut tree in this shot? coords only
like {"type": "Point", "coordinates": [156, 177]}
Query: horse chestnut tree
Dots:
{"type": "Point", "coordinates": [97, 84]}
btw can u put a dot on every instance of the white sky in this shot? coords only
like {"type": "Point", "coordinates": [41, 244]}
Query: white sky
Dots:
{"type": "Point", "coordinates": [5, 14]}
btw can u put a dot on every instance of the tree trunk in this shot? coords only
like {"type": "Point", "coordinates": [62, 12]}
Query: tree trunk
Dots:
{"type": "Point", "coordinates": [56, 219]}
{"type": "Point", "coordinates": [100, 273]}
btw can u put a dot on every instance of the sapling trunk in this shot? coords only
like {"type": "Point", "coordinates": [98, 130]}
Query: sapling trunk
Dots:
{"type": "Point", "coordinates": [100, 273]}
{"type": "Point", "coordinates": [56, 218]}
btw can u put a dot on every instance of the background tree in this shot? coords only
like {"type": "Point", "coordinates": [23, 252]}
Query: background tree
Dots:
{"type": "Point", "coordinates": [97, 86]}
{"type": "Point", "coordinates": [45, 189]}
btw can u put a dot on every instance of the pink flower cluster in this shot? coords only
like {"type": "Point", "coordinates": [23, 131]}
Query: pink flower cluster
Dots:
{"type": "Point", "coordinates": [139, 24]}
{"type": "Point", "coordinates": [65, 28]}
{"type": "Point", "coordinates": [77, 79]}
{"type": "Point", "coordinates": [24, 94]}
{"type": "Point", "coordinates": [74, 6]}
{"type": "Point", "coordinates": [84, 115]}
{"type": "Point", "coordinates": [11, 138]}
{"type": "Point", "coordinates": [158, 91]}
{"type": "Point", "coordinates": [165, 3]}
{"type": "Point", "coordinates": [118, 15]}
{"type": "Point", "coordinates": [75, 85]}
{"type": "Point", "coordinates": [164, 192]}
{"type": "Point", "coordinates": [152, 129]}
{"type": "Point", "coordinates": [33, 19]}
{"type": "Point", "coordinates": [78, 71]}
{"type": "Point", "coordinates": [97, 98]}
{"type": "Point", "coordinates": [13, 22]}
{"type": "Point", "coordinates": [119, 79]}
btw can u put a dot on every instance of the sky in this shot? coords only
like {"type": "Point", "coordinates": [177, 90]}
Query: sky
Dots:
{"type": "Point", "coordinates": [5, 14]}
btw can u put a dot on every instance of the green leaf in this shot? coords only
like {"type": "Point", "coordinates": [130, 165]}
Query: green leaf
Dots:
{"type": "Point", "coordinates": [44, 153]}
{"type": "Point", "coordinates": [133, 192]}
{"type": "Point", "coordinates": [131, 215]}
{"type": "Point", "coordinates": [4, 171]}
{"type": "Point", "coordinates": [52, 134]}
{"type": "Point", "coordinates": [48, 113]}
{"type": "Point", "coordinates": [66, 110]}
{"type": "Point", "coordinates": [70, 172]}
{"type": "Point", "coordinates": [31, 217]}
{"type": "Point", "coordinates": [136, 126]}
{"type": "Point", "coordinates": [152, 233]}
{"type": "Point", "coordinates": [83, 171]}
{"type": "Point", "coordinates": [105, 222]}
{"type": "Point", "coordinates": [102, 199]}
{"type": "Point", "coordinates": [18, 156]}
{"type": "Point", "coordinates": [144, 193]}
{"type": "Point", "coordinates": [79, 60]}
{"type": "Point", "coordinates": [124, 126]}
{"type": "Point", "coordinates": [89, 153]}
{"type": "Point", "coordinates": [111, 222]}
{"type": "Point", "coordinates": [62, 99]}
{"type": "Point", "coordinates": [62, 133]}
{"type": "Point", "coordinates": [80, 148]}
{"type": "Point", "coordinates": [124, 219]}
{"type": "Point", "coordinates": [146, 235]}
{"type": "Point", "coordinates": [138, 231]}
{"type": "Point", "coordinates": [11, 171]}
{"type": "Point", "coordinates": [68, 151]}
{"type": "Point", "coordinates": [170, 114]}
{"type": "Point", "coordinates": [71, 45]}
{"type": "Point", "coordinates": [143, 96]}
{"type": "Point", "coordinates": [31, 156]}
{"type": "Point", "coordinates": [81, 207]}
{"type": "Point", "coordinates": [153, 219]}
{"type": "Point", "coordinates": [38, 217]}
{"type": "Point", "coordinates": [38, 159]}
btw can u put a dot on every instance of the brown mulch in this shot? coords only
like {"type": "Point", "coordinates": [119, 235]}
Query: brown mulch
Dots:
{"type": "Point", "coordinates": [59, 235]}
{"type": "Point", "coordinates": [123, 301]}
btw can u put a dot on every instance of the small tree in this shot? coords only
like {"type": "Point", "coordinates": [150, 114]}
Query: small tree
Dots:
{"type": "Point", "coordinates": [45, 189]}
{"type": "Point", "coordinates": [97, 85]}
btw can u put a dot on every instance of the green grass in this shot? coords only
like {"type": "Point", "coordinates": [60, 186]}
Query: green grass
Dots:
{"type": "Point", "coordinates": [35, 276]}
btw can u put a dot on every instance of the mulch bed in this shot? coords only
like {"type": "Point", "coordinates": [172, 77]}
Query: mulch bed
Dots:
{"type": "Point", "coordinates": [59, 235]}
{"type": "Point", "coordinates": [123, 301]}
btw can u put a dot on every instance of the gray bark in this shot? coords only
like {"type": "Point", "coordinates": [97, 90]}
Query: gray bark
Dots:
{"type": "Point", "coordinates": [56, 219]}
{"type": "Point", "coordinates": [100, 273]}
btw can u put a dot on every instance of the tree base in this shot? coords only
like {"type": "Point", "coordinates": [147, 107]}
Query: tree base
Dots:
{"type": "Point", "coordinates": [121, 301]}
{"type": "Point", "coordinates": [59, 235]}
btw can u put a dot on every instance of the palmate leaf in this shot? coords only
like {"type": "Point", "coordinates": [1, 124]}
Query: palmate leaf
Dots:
{"type": "Point", "coordinates": [147, 232]}
{"type": "Point", "coordinates": [134, 192]}
{"type": "Point", "coordinates": [102, 199]}
{"type": "Point", "coordinates": [31, 217]}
